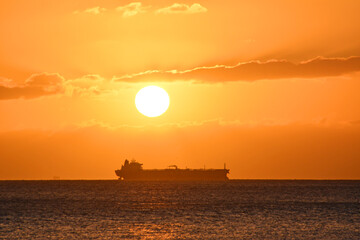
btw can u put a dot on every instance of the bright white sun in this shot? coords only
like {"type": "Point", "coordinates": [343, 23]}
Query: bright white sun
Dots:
{"type": "Point", "coordinates": [152, 101]}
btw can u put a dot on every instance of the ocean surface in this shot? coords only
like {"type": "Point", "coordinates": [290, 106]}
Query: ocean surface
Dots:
{"type": "Point", "coordinates": [237, 209]}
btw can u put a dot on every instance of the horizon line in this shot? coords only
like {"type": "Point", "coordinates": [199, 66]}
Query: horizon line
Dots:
{"type": "Point", "coordinates": [232, 179]}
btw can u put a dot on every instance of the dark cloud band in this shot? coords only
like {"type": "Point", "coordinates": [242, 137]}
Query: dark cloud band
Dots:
{"type": "Point", "coordinates": [254, 70]}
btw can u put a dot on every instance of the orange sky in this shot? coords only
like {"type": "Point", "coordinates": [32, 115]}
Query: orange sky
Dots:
{"type": "Point", "coordinates": [269, 87]}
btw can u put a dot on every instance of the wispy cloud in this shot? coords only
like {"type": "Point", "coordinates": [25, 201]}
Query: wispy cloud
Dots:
{"type": "Point", "coordinates": [183, 8]}
{"type": "Point", "coordinates": [136, 8]}
{"type": "Point", "coordinates": [132, 9]}
{"type": "Point", "coordinates": [94, 10]}
{"type": "Point", "coordinates": [253, 70]}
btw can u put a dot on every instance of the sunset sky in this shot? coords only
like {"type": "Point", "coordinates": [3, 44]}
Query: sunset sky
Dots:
{"type": "Point", "coordinates": [271, 88]}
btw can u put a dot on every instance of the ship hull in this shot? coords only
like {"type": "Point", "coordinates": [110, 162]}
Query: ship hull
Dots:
{"type": "Point", "coordinates": [174, 175]}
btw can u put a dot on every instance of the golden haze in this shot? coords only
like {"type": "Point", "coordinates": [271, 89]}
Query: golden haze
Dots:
{"type": "Point", "coordinates": [270, 88]}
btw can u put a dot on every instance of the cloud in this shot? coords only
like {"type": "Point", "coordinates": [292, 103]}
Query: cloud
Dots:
{"type": "Point", "coordinates": [36, 85]}
{"type": "Point", "coordinates": [94, 10]}
{"type": "Point", "coordinates": [136, 8]}
{"type": "Point", "coordinates": [45, 84]}
{"type": "Point", "coordinates": [131, 9]}
{"type": "Point", "coordinates": [50, 82]}
{"type": "Point", "coordinates": [90, 85]}
{"type": "Point", "coordinates": [182, 8]}
{"type": "Point", "coordinates": [5, 82]}
{"type": "Point", "coordinates": [253, 70]}
{"type": "Point", "coordinates": [86, 81]}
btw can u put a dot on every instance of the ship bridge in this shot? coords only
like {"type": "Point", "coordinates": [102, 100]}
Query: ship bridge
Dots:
{"type": "Point", "coordinates": [173, 167]}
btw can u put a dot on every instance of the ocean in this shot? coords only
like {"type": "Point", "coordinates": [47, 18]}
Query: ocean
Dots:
{"type": "Point", "coordinates": [237, 209]}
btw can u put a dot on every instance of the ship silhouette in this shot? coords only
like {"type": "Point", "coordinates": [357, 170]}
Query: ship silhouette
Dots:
{"type": "Point", "coordinates": [133, 171]}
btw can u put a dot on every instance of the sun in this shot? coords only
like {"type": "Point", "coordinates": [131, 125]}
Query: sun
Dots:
{"type": "Point", "coordinates": [152, 101]}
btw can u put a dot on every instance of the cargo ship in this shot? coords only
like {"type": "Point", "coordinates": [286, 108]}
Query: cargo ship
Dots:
{"type": "Point", "coordinates": [133, 171]}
